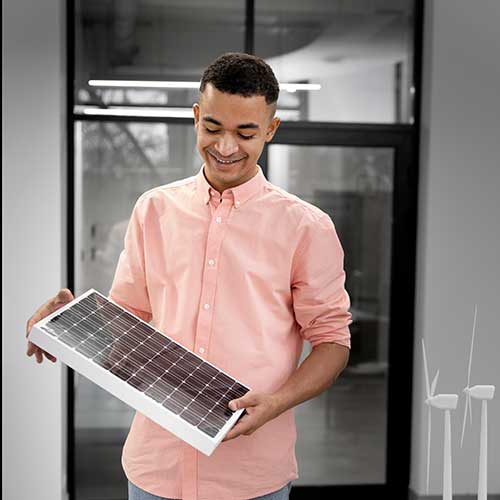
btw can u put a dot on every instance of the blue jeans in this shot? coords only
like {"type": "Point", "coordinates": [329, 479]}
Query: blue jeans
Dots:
{"type": "Point", "coordinates": [135, 493]}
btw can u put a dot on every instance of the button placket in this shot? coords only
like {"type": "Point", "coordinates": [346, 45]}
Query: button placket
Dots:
{"type": "Point", "coordinates": [215, 237]}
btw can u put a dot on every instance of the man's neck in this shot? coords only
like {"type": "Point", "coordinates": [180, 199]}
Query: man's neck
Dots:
{"type": "Point", "coordinates": [221, 188]}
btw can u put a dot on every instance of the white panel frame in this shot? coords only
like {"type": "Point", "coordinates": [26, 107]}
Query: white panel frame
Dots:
{"type": "Point", "coordinates": [125, 392]}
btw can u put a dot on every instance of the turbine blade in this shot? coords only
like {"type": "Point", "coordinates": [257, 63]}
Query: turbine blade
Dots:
{"type": "Point", "coordinates": [472, 345]}
{"type": "Point", "coordinates": [470, 410]}
{"type": "Point", "coordinates": [428, 446]}
{"type": "Point", "coordinates": [465, 419]}
{"type": "Point", "coordinates": [434, 383]}
{"type": "Point", "coordinates": [426, 371]}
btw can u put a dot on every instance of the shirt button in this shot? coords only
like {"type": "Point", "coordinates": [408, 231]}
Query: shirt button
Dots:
{"type": "Point", "coordinates": [236, 203]}
{"type": "Point", "coordinates": [206, 306]}
{"type": "Point", "coordinates": [218, 220]}
{"type": "Point", "coordinates": [201, 350]}
{"type": "Point", "coordinates": [211, 262]}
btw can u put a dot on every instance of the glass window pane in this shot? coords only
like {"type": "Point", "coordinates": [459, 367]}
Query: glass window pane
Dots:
{"type": "Point", "coordinates": [342, 433]}
{"type": "Point", "coordinates": [171, 40]}
{"type": "Point", "coordinates": [115, 162]}
{"type": "Point", "coordinates": [360, 52]}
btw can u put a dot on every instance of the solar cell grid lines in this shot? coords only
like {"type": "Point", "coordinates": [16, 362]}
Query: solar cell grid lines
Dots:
{"type": "Point", "coordinates": [107, 337]}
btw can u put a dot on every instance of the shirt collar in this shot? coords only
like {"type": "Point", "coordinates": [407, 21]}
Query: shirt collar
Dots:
{"type": "Point", "coordinates": [241, 193]}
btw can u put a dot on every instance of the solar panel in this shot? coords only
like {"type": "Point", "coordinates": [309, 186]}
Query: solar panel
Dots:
{"type": "Point", "coordinates": [157, 376]}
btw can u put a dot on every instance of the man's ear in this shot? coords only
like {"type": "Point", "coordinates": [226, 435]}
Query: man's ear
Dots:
{"type": "Point", "coordinates": [271, 129]}
{"type": "Point", "coordinates": [196, 112]}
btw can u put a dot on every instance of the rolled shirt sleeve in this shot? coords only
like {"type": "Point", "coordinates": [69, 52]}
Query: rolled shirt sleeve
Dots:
{"type": "Point", "coordinates": [129, 287]}
{"type": "Point", "coordinates": [320, 300]}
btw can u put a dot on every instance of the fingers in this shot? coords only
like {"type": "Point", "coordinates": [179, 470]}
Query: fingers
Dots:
{"type": "Point", "coordinates": [249, 399]}
{"type": "Point", "coordinates": [49, 356]}
{"type": "Point", "coordinates": [40, 313]}
{"type": "Point", "coordinates": [32, 348]}
{"type": "Point", "coordinates": [245, 426]}
{"type": "Point", "coordinates": [39, 353]}
{"type": "Point", "coordinates": [63, 297]}
{"type": "Point", "coordinates": [259, 409]}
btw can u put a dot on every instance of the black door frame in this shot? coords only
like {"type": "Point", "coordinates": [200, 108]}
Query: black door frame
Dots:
{"type": "Point", "coordinates": [402, 139]}
{"type": "Point", "coordinates": [405, 140]}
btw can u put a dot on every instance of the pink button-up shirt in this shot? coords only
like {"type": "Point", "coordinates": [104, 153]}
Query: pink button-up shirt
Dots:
{"type": "Point", "coordinates": [241, 279]}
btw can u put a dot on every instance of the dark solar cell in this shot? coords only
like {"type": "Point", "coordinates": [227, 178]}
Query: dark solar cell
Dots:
{"type": "Point", "coordinates": [208, 428]}
{"type": "Point", "coordinates": [208, 370]}
{"type": "Point", "coordinates": [70, 339]}
{"type": "Point", "coordinates": [156, 393]}
{"type": "Point", "coordinates": [88, 349]}
{"type": "Point", "coordinates": [173, 405]}
{"type": "Point", "coordinates": [140, 382]}
{"type": "Point", "coordinates": [191, 417]}
{"type": "Point", "coordinates": [103, 358]}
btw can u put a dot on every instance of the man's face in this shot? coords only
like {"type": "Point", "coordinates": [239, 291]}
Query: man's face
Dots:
{"type": "Point", "coordinates": [231, 133]}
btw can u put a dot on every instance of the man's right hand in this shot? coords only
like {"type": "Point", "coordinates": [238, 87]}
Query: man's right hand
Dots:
{"type": "Point", "coordinates": [63, 297]}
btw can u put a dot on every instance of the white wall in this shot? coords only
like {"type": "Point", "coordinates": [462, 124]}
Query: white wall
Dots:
{"type": "Point", "coordinates": [33, 243]}
{"type": "Point", "coordinates": [459, 231]}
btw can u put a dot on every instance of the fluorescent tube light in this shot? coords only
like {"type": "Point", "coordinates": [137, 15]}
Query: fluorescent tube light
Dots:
{"type": "Point", "coordinates": [290, 87]}
{"type": "Point", "coordinates": [135, 111]}
{"type": "Point", "coordinates": [144, 84]}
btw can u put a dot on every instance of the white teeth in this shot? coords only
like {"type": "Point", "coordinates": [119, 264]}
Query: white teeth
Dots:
{"type": "Point", "coordinates": [226, 162]}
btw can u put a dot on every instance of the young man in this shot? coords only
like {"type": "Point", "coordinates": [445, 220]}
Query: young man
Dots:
{"type": "Point", "coordinates": [241, 272]}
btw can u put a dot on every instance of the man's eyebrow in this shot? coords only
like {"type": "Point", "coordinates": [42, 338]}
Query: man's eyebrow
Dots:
{"type": "Point", "coordinates": [248, 125]}
{"type": "Point", "coordinates": [243, 125]}
{"type": "Point", "coordinates": [212, 120]}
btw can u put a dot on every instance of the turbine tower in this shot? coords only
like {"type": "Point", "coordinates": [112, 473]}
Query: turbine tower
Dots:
{"type": "Point", "coordinates": [484, 393]}
{"type": "Point", "coordinates": [446, 402]}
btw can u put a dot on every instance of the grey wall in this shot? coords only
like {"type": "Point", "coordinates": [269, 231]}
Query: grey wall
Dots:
{"type": "Point", "coordinates": [33, 243]}
{"type": "Point", "coordinates": [459, 231]}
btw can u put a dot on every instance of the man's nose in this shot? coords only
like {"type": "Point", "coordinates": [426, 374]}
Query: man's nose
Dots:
{"type": "Point", "coordinates": [226, 145]}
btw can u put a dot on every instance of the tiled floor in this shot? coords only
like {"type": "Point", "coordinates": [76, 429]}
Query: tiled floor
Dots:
{"type": "Point", "coordinates": [341, 434]}
{"type": "Point", "coordinates": [341, 437]}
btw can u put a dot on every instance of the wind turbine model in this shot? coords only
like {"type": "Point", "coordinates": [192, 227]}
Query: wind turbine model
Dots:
{"type": "Point", "coordinates": [446, 402]}
{"type": "Point", "coordinates": [484, 393]}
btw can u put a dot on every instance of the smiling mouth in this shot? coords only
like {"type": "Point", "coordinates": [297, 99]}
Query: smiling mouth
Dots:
{"type": "Point", "coordinates": [225, 162]}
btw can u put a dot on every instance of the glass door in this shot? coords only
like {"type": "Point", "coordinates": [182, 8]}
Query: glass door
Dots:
{"type": "Point", "coordinates": [115, 162]}
{"type": "Point", "coordinates": [354, 437]}
{"type": "Point", "coordinates": [342, 434]}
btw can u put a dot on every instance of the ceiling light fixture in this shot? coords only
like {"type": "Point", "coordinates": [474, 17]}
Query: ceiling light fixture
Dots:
{"type": "Point", "coordinates": [151, 84]}
{"type": "Point", "coordinates": [136, 111]}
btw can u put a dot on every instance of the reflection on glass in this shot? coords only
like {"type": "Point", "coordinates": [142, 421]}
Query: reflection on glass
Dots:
{"type": "Point", "coordinates": [342, 433]}
{"type": "Point", "coordinates": [361, 53]}
{"type": "Point", "coordinates": [139, 40]}
{"type": "Point", "coordinates": [114, 164]}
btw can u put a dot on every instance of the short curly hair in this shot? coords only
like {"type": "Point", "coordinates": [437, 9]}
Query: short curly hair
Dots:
{"type": "Point", "coordinates": [242, 74]}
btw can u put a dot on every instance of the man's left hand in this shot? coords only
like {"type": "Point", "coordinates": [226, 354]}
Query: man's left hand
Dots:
{"type": "Point", "coordinates": [260, 408]}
